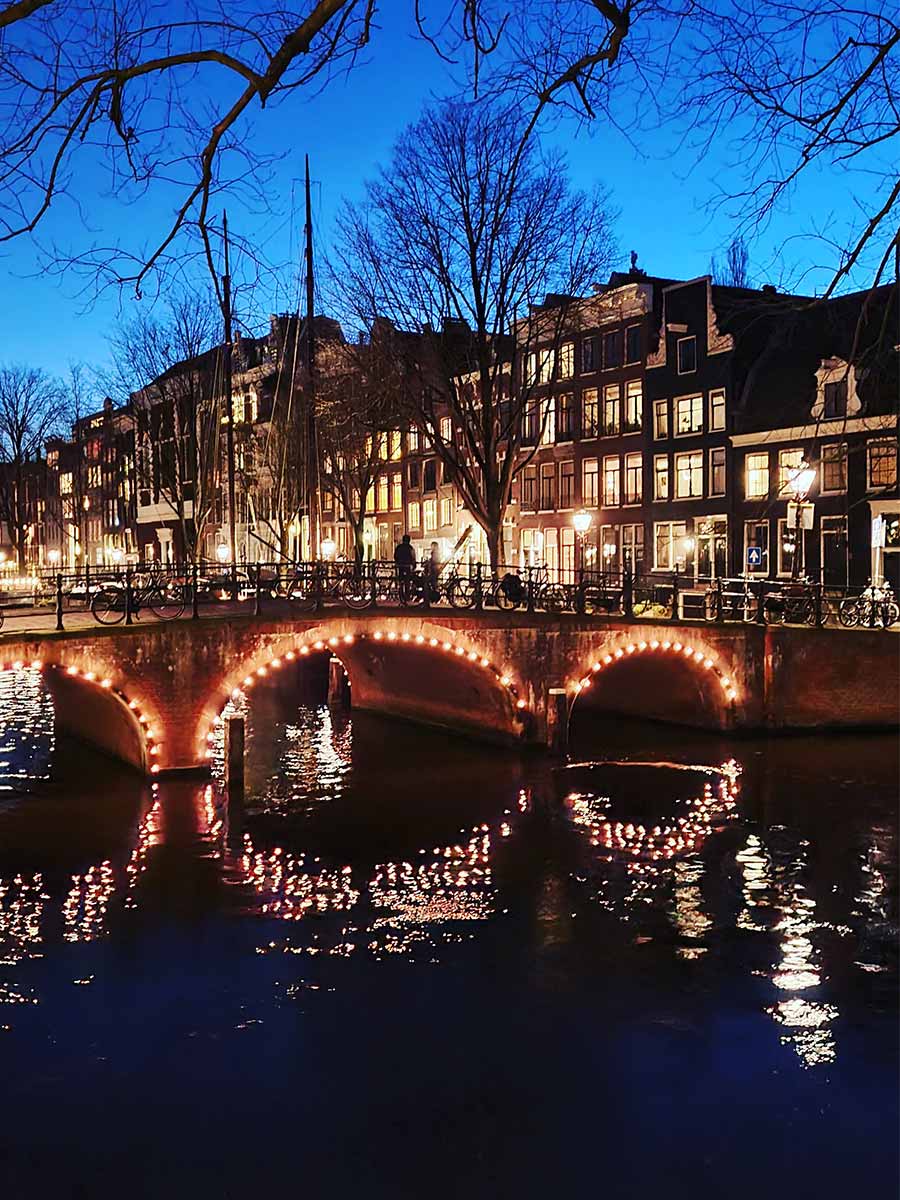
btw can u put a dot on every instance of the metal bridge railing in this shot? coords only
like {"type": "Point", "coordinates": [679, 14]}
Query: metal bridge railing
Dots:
{"type": "Point", "coordinates": [123, 594]}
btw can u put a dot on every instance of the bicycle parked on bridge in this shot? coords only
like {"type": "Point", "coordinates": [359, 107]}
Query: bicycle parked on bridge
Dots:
{"type": "Point", "coordinates": [164, 597]}
{"type": "Point", "coordinates": [873, 607]}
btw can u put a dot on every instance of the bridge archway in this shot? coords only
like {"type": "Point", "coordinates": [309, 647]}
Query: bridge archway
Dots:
{"type": "Point", "coordinates": [88, 705]}
{"type": "Point", "coordinates": [658, 678]}
{"type": "Point", "coordinates": [413, 669]}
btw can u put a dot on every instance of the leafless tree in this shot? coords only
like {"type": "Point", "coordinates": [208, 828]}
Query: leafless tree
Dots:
{"type": "Point", "coordinates": [458, 242]}
{"type": "Point", "coordinates": [32, 409]}
{"type": "Point", "coordinates": [143, 101]}
{"type": "Point", "coordinates": [802, 91]}
{"type": "Point", "coordinates": [734, 272]}
{"type": "Point", "coordinates": [358, 414]}
{"type": "Point", "coordinates": [171, 369]}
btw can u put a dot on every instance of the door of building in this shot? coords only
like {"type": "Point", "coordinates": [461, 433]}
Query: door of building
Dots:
{"type": "Point", "coordinates": [833, 550]}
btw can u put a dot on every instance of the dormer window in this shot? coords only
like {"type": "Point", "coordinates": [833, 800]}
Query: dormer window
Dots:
{"type": "Point", "coordinates": [836, 396]}
{"type": "Point", "coordinates": [835, 399]}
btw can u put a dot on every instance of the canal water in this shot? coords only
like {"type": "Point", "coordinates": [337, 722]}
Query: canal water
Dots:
{"type": "Point", "coordinates": [410, 966]}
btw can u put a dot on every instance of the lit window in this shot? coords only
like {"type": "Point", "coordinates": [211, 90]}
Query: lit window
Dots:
{"type": "Point", "coordinates": [589, 413]}
{"type": "Point", "coordinates": [446, 511]}
{"type": "Point", "coordinates": [611, 397]}
{"type": "Point", "coordinates": [661, 477]}
{"type": "Point", "coordinates": [414, 514]}
{"type": "Point", "coordinates": [668, 540]}
{"type": "Point", "coordinates": [548, 421]}
{"type": "Point", "coordinates": [717, 471]}
{"type": "Point", "coordinates": [611, 481]}
{"type": "Point", "coordinates": [689, 415]}
{"type": "Point", "coordinates": [717, 410]}
{"type": "Point", "coordinates": [634, 405]}
{"type": "Point", "coordinates": [634, 478]}
{"type": "Point", "coordinates": [689, 475]}
{"type": "Point", "coordinates": [756, 468]}
{"type": "Point", "coordinates": [446, 429]}
{"type": "Point", "coordinates": [412, 440]}
{"type": "Point", "coordinates": [65, 483]}
{"type": "Point", "coordinates": [430, 511]}
{"type": "Point", "coordinates": [687, 355]}
{"type": "Point", "coordinates": [567, 360]}
{"type": "Point", "coordinates": [589, 482]}
{"type": "Point", "coordinates": [660, 419]}
{"type": "Point", "coordinates": [546, 363]}
{"type": "Point", "coordinates": [881, 464]}
{"type": "Point", "coordinates": [791, 545]}
{"type": "Point", "coordinates": [397, 491]}
{"type": "Point", "coordinates": [383, 496]}
{"type": "Point", "coordinates": [394, 445]}
{"type": "Point", "coordinates": [789, 462]}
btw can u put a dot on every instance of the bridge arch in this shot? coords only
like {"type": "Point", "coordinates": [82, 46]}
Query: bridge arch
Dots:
{"type": "Point", "coordinates": [678, 679]}
{"type": "Point", "coordinates": [91, 705]}
{"type": "Point", "coordinates": [463, 687]}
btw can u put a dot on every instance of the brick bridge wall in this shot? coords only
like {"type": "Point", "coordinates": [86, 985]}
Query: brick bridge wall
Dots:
{"type": "Point", "coordinates": [149, 694]}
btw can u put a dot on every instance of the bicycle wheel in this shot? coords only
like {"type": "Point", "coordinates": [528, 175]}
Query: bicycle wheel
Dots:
{"type": "Point", "coordinates": [461, 593]}
{"type": "Point", "coordinates": [552, 598]}
{"type": "Point", "coordinates": [848, 613]}
{"type": "Point", "coordinates": [167, 603]}
{"type": "Point", "coordinates": [108, 606]}
{"type": "Point", "coordinates": [890, 613]}
{"type": "Point", "coordinates": [356, 592]}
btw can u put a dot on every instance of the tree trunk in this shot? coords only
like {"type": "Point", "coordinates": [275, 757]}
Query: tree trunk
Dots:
{"type": "Point", "coordinates": [494, 535]}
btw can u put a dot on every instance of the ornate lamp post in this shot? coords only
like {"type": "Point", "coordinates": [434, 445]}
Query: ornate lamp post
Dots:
{"type": "Point", "coordinates": [327, 547]}
{"type": "Point", "coordinates": [800, 484]}
{"type": "Point", "coordinates": [582, 522]}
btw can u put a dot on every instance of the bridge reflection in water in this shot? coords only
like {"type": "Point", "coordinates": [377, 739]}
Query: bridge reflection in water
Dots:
{"type": "Point", "coordinates": [747, 907]}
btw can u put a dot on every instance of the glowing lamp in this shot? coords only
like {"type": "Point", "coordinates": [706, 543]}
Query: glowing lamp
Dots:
{"type": "Point", "coordinates": [582, 521]}
{"type": "Point", "coordinates": [327, 547]}
{"type": "Point", "coordinates": [802, 480]}
{"type": "Point", "coordinates": [223, 553]}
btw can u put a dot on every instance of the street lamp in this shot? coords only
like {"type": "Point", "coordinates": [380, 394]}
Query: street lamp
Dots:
{"type": "Point", "coordinates": [223, 553]}
{"type": "Point", "coordinates": [327, 547]}
{"type": "Point", "coordinates": [117, 555]}
{"type": "Point", "coordinates": [53, 558]}
{"type": "Point", "coordinates": [800, 483]}
{"type": "Point", "coordinates": [582, 522]}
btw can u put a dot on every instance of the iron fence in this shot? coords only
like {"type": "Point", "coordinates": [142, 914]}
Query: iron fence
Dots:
{"type": "Point", "coordinates": [122, 594]}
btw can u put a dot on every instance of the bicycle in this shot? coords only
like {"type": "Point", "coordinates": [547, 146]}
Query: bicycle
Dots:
{"type": "Point", "coordinates": [874, 605]}
{"type": "Point", "coordinates": [164, 598]}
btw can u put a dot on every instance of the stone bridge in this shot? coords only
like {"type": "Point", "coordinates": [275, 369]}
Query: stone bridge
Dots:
{"type": "Point", "coordinates": [150, 694]}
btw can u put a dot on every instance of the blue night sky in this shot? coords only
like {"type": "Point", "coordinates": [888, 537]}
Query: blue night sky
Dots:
{"type": "Point", "coordinates": [661, 196]}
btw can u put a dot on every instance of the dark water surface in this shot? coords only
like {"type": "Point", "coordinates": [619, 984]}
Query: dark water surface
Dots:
{"type": "Point", "coordinates": [410, 966]}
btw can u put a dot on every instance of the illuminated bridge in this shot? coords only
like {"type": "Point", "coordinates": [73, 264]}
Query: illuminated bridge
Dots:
{"type": "Point", "coordinates": [150, 694]}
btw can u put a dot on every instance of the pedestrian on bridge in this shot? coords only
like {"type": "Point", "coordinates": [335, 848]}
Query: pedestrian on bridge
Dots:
{"type": "Point", "coordinates": [405, 560]}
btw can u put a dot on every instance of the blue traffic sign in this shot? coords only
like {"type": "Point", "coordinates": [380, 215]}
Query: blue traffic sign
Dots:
{"type": "Point", "coordinates": [754, 556]}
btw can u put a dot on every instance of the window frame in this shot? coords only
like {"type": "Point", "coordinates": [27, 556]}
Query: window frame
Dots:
{"type": "Point", "coordinates": [694, 471]}
{"type": "Point", "coordinates": [629, 469]}
{"type": "Point", "coordinates": [616, 468]}
{"type": "Point", "coordinates": [880, 444]}
{"type": "Point", "coordinates": [660, 408]}
{"type": "Point", "coordinates": [695, 400]}
{"type": "Point", "coordinates": [663, 459]}
{"type": "Point", "coordinates": [748, 470]}
{"type": "Point", "coordinates": [717, 406]}
{"type": "Point", "coordinates": [843, 448]}
{"type": "Point", "coordinates": [690, 338]}
{"type": "Point", "coordinates": [712, 490]}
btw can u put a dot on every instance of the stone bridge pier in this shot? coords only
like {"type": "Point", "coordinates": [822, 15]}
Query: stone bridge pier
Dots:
{"type": "Point", "coordinates": [151, 694]}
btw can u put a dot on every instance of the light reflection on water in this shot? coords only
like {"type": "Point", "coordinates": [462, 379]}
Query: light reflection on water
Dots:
{"type": "Point", "coordinates": [687, 877]}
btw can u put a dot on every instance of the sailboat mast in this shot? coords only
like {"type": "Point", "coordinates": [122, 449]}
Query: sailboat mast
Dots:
{"type": "Point", "coordinates": [312, 447]}
{"type": "Point", "coordinates": [229, 400]}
